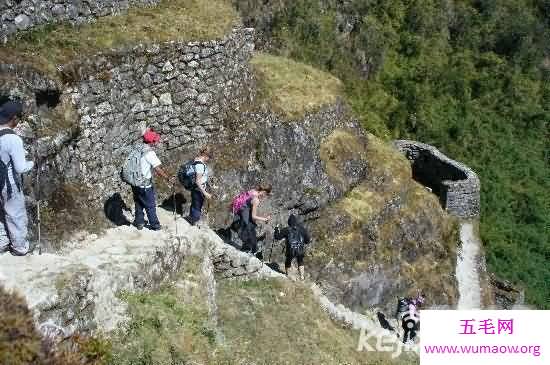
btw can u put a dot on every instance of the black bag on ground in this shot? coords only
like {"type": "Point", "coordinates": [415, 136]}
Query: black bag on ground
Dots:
{"type": "Point", "coordinates": [187, 174]}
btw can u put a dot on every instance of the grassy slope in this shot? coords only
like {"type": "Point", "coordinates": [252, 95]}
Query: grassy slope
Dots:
{"type": "Point", "coordinates": [418, 239]}
{"type": "Point", "coordinates": [263, 322]}
{"type": "Point", "coordinates": [292, 88]}
{"type": "Point", "coordinates": [185, 20]}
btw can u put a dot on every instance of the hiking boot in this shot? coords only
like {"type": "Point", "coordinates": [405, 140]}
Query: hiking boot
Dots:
{"type": "Point", "coordinates": [189, 220]}
{"type": "Point", "coordinates": [154, 228]}
{"type": "Point", "coordinates": [139, 226]}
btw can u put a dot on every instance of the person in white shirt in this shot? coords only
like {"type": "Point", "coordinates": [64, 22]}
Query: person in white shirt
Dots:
{"type": "Point", "coordinates": [145, 196]}
{"type": "Point", "coordinates": [14, 220]}
{"type": "Point", "coordinates": [199, 193]}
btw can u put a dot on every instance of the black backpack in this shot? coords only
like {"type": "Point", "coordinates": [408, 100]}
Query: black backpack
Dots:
{"type": "Point", "coordinates": [4, 180]}
{"type": "Point", "coordinates": [402, 305]}
{"type": "Point", "coordinates": [296, 241]}
{"type": "Point", "coordinates": [187, 174]}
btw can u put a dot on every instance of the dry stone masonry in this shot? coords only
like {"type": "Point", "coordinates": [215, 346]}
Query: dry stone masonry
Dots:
{"type": "Point", "coordinates": [183, 90]}
{"type": "Point", "coordinates": [456, 185]}
{"type": "Point", "coordinates": [19, 15]}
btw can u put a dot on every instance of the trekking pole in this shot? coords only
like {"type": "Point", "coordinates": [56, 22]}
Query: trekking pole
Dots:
{"type": "Point", "coordinates": [175, 208]}
{"type": "Point", "coordinates": [37, 196]}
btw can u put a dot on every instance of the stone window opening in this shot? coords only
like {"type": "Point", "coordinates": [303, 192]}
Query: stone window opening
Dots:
{"type": "Point", "coordinates": [49, 98]}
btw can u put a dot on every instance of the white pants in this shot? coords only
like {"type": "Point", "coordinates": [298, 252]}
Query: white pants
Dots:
{"type": "Point", "coordinates": [13, 222]}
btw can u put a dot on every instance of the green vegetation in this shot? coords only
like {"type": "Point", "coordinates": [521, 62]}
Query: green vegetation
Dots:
{"type": "Point", "coordinates": [21, 344]}
{"type": "Point", "coordinates": [470, 77]}
{"type": "Point", "coordinates": [181, 20]}
{"type": "Point", "coordinates": [261, 321]}
{"type": "Point", "coordinates": [294, 88]}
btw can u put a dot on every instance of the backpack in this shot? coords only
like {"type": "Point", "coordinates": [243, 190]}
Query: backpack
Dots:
{"type": "Point", "coordinates": [131, 172]}
{"type": "Point", "coordinates": [240, 201]}
{"type": "Point", "coordinates": [4, 180]}
{"type": "Point", "coordinates": [187, 174]}
{"type": "Point", "coordinates": [296, 242]}
{"type": "Point", "coordinates": [402, 305]}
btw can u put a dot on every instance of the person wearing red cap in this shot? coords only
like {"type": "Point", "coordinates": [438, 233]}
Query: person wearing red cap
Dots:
{"type": "Point", "coordinates": [144, 195]}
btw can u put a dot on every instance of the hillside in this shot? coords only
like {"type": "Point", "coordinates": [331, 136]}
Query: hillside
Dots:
{"type": "Point", "coordinates": [470, 77]}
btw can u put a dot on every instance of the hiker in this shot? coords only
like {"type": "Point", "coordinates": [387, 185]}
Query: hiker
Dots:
{"type": "Point", "coordinates": [245, 209]}
{"type": "Point", "coordinates": [297, 237]}
{"type": "Point", "coordinates": [407, 313]}
{"type": "Point", "coordinates": [13, 229]}
{"type": "Point", "coordinates": [138, 172]}
{"type": "Point", "coordinates": [194, 177]}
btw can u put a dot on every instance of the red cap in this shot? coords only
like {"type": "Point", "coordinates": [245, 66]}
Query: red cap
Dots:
{"type": "Point", "coordinates": [150, 137]}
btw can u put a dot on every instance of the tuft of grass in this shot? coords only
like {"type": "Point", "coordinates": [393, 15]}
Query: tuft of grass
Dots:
{"type": "Point", "coordinates": [292, 88]}
{"type": "Point", "coordinates": [336, 150]}
{"type": "Point", "coordinates": [181, 20]}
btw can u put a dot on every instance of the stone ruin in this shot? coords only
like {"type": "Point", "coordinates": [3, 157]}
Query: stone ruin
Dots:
{"type": "Point", "coordinates": [456, 185]}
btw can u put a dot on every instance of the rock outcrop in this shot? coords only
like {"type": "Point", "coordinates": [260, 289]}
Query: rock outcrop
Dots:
{"type": "Point", "coordinates": [80, 289]}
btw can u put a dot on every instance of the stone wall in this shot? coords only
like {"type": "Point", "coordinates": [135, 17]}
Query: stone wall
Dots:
{"type": "Point", "coordinates": [182, 90]}
{"type": "Point", "coordinates": [18, 15]}
{"type": "Point", "coordinates": [457, 186]}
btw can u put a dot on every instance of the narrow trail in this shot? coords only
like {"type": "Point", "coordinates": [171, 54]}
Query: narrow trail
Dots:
{"type": "Point", "coordinates": [467, 268]}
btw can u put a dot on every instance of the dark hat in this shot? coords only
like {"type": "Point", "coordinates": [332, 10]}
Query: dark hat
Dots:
{"type": "Point", "coordinates": [10, 109]}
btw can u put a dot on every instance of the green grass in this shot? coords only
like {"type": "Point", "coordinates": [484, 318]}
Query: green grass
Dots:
{"type": "Point", "coordinates": [294, 88]}
{"type": "Point", "coordinates": [182, 20]}
{"type": "Point", "coordinates": [265, 322]}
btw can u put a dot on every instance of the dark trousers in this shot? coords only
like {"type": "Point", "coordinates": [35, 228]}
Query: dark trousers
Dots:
{"type": "Point", "coordinates": [197, 201]}
{"type": "Point", "coordinates": [145, 199]}
{"type": "Point", "coordinates": [247, 234]}
{"type": "Point", "coordinates": [289, 257]}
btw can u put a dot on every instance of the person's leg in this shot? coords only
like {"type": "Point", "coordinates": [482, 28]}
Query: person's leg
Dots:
{"type": "Point", "coordinates": [139, 219]}
{"type": "Point", "coordinates": [288, 262]}
{"type": "Point", "coordinates": [4, 237]}
{"type": "Point", "coordinates": [197, 201]}
{"type": "Point", "coordinates": [301, 268]}
{"type": "Point", "coordinates": [16, 222]}
{"type": "Point", "coordinates": [150, 204]}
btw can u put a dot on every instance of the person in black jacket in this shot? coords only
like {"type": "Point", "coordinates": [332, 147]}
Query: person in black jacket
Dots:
{"type": "Point", "coordinates": [297, 237]}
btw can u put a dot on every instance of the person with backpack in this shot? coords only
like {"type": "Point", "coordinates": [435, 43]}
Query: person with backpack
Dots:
{"type": "Point", "coordinates": [297, 237]}
{"type": "Point", "coordinates": [138, 173]}
{"type": "Point", "coordinates": [407, 313]}
{"type": "Point", "coordinates": [194, 177]}
{"type": "Point", "coordinates": [245, 210]}
{"type": "Point", "coordinates": [13, 163]}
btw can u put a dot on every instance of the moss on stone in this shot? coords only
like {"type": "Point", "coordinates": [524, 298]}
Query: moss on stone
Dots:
{"type": "Point", "coordinates": [182, 20]}
{"type": "Point", "coordinates": [293, 89]}
{"type": "Point", "coordinates": [391, 223]}
{"type": "Point", "coordinates": [337, 149]}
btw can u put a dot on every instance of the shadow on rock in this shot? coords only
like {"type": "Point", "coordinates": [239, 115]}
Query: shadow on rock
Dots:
{"type": "Point", "coordinates": [114, 208]}
{"type": "Point", "coordinates": [178, 201]}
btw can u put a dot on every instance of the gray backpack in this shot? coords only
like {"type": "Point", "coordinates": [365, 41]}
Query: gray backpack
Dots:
{"type": "Point", "coordinates": [131, 171]}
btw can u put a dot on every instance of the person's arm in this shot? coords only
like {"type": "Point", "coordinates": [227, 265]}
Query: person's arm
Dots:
{"type": "Point", "coordinates": [20, 163]}
{"type": "Point", "coordinates": [307, 236]}
{"type": "Point", "coordinates": [198, 179]}
{"type": "Point", "coordinates": [280, 233]}
{"type": "Point", "coordinates": [152, 158]}
{"type": "Point", "coordinates": [255, 216]}
{"type": "Point", "coordinates": [159, 171]}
